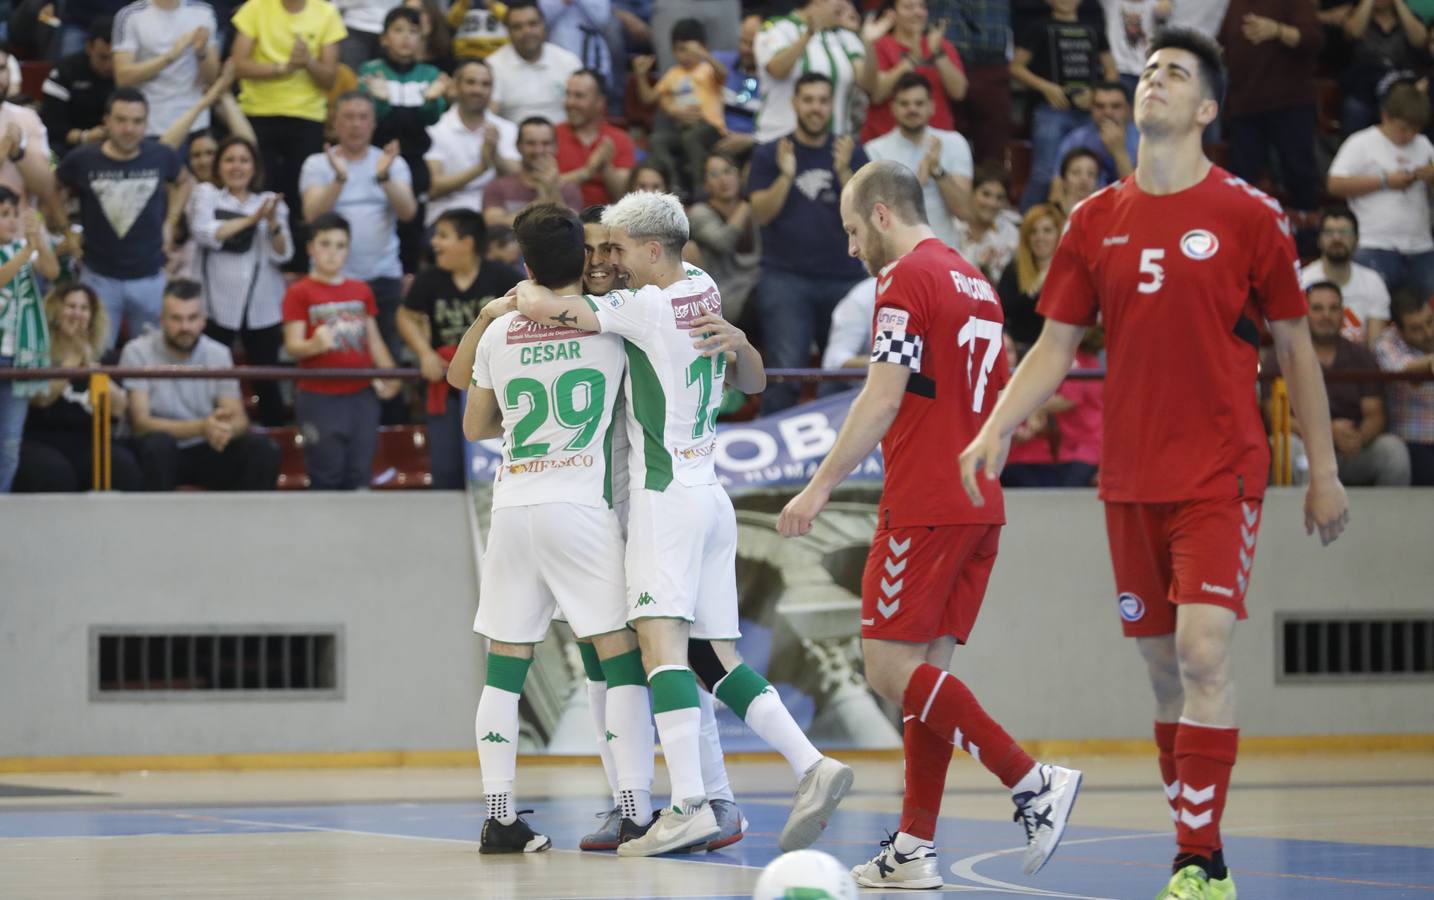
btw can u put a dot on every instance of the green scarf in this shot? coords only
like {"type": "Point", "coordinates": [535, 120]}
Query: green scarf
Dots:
{"type": "Point", "coordinates": [22, 313]}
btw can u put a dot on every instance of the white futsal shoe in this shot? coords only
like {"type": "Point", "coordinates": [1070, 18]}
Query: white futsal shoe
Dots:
{"type": "Point", "coordinates": [675, 828]}
{"type": "Point", "coordinates": [1043, 814]}
{"type": "Point", "coordinates": [821, 789]}
{"type": "Point", "coordinates": [917, 870]}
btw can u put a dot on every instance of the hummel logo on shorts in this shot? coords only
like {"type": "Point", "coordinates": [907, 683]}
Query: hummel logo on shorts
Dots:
{"type": "Point", "coordinates": [645, 599]}
{"type": "Point", "coordinates": [494, 737]}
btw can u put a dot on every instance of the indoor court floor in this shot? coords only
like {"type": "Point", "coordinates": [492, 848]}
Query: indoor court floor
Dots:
{"type": "Point", "coordinates": [1306, 826]}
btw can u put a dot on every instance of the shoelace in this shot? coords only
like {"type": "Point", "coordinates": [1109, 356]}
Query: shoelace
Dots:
{"type": "Point", "coordinates": [1026, 816]}
{"type": "Point", "coordinates": [607, 815]}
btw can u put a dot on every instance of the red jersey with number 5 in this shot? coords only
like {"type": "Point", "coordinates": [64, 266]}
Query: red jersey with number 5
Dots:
{"type": "Point", "coordinates": [1183, 283]}
{"type": "Point", "coordinates": [937, 315]}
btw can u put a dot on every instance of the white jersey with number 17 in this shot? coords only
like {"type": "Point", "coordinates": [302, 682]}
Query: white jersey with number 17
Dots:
{"type": "Point", "coordinates": [673, 391]}
{"type": "Point", "coordinates": [556, 387]}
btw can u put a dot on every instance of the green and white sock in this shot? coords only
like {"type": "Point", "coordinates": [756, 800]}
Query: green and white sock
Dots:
{"type": "Point", "coordinates": [628, 733]}
{"type": "Point", "coordinates": [756, 702]}
{"type": "Point", "coordinates": [679, 723]}
{"type": "Point", "coordinates": [597, 710]}
{"type": "Point", "coordinates": [496, 727]}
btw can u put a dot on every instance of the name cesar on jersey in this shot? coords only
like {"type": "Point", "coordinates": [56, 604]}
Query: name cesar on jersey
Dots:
{"type": "Point", "coordinates": [550, 352]}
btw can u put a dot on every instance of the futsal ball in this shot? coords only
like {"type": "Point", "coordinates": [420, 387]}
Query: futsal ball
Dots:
{"type": "Point", "coordinates": [805, 875]}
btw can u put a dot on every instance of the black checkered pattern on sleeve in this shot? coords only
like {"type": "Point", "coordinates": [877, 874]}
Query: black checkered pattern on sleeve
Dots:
{"type": "Point", "coordinates": [900, 348]}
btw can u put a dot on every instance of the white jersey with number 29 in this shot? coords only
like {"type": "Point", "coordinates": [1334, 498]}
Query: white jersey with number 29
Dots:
{"type": "Point", "coordinates": [556, 386]}
{"type": "Point", "coordinates": [673, 391]}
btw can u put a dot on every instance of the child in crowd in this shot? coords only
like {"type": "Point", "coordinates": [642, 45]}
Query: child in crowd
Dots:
{"type": "Point", "coordinates": [329, 324]}
{"type": "Point", "coordinates": [690, 94]}
{"type": "Point", "coordinates": [409, 96]}
{"type": "Point", "coordinates": [440, 306]}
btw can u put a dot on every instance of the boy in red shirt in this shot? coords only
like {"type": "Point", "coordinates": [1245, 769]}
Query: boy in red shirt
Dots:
{"type": "Point", "coordinates": [329, 324]}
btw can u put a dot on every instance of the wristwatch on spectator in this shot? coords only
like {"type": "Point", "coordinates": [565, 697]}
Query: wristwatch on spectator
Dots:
{"type": "Point", "coordinates": [18, 152]}
{"type": "Point", "coordinates": [937, 172]}
{"type": "Point", "coordinates": [381, 179]}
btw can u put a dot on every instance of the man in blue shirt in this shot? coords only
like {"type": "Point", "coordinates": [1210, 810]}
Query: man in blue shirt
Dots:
{"type": "Point", "coordinates": [1110, 134]}
{"type": "Point", "coordinates": [795, 184]}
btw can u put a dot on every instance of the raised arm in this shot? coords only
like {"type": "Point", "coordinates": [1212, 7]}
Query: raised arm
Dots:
{"type": "Point", "coordinates": [460, 367]}
{"type": "Point", "coordinates": [542, 305]}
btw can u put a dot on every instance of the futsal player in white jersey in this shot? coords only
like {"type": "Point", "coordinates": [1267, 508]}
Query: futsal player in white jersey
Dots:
{"type": "Point", "coordinates": [554, 542]}
{"type": "Point", "coordinates": [599, 279]}
{"type": "Point", "coordinates": [682, 530]}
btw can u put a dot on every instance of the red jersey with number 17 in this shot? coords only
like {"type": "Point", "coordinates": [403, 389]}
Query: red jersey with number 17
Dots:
{"type": "Point", "coordinates": [937, 315]}
{"type": "Point", "coordinates": [1183, 283]}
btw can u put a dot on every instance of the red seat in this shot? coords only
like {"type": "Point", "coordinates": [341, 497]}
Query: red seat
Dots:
{"type": "Point", "coordinates": [32, 77]}
{"type": "Point", "coordinates": [400, 460]}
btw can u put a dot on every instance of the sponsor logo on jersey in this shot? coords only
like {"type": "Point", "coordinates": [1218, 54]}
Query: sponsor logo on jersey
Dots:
{"type": "Point", "coordinates": [534, 466]}
{"type": "Point", "coordinates": [974, 287]}
{"type": "Point", "coordinates": [494, 737]}
{"type": "Point", "coordinates": [645, 599]}
{"type": "Point", "coordinates": [691, 453]}
{"type": "Point", "coordinates": [1209, 588]}
{"type": "Point", "coordinates": [1116, 240]}
{"type": "Point", "coordinates": [1199, 244]}
{"type": "Point", "coordinates": [614, 300]}
{"type": "Point", "coordinates": [891, 318]}
{"type": "Point", "coordinates": [1132, 608]}
{"type": "Point", "coordinates": [687, 310]}
{"type": "Point", "coordinates": [523, 330]}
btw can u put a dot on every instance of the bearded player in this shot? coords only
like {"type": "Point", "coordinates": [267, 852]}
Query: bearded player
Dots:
{"type": "Point", "coordinates": [936, 368]}
{"type": "Point", "coordinates": [1180, 260]}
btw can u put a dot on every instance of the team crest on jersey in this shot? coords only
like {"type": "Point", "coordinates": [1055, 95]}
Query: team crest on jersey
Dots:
{"type": "Point", "coordinates": [1132, 608]}
{"type": "Point", "coordinates": [1199, 244]}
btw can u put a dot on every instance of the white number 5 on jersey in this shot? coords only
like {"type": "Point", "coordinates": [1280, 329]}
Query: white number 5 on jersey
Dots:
{"type": "Point", "coordinates": [1150, 266]}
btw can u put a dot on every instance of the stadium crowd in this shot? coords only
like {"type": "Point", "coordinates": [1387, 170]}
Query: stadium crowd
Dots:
{"type": "Point", "coordinates": [195, 183]}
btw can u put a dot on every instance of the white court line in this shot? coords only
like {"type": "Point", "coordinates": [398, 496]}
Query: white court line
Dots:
{"type": "Point", "coordinates": [966, 868]}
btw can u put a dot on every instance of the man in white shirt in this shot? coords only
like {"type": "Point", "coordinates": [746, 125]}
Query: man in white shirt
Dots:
{"type": "Point", "coordinates": [1366, 298]}
{"type": "Point", "coordinates": [373, 190]}
{"type": "Point", "coordinates": [807, 40]}
{"type": "Point", "coordinates": [1385, 172]}
{"type": "Point", "coordinates": [941, 159]}
{"type": "Point", "coordinates": [469, 145]}
{"type": "Point", "coordinates": [169, 50]}
{"type": "Point", "coordinates": [849, 346]}
{"type": "Point", "coordinates": [530, 75]}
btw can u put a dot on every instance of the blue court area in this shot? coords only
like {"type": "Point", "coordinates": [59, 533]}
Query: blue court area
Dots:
{"type": "Point", "coordinates": [977, 857]}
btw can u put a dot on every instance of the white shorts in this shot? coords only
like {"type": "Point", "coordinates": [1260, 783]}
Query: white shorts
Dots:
{"type": "Point", "coordinates": [682, 558]}
{"type": "Point", "coordinates": [550, 557]}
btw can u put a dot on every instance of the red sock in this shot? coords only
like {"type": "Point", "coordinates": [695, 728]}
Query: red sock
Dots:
{"type": "Point", "coordinates": [1204, 756]}
{"type": "Point", "coordinates": [1165, 744]}
{"type": "Point", "coordinates": [939, 699]}
{"type": "Point", "coordinates": [928, 756]}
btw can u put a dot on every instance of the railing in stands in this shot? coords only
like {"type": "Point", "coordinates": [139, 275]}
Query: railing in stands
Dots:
{"type": "Point", "coordinates": [101, 376]}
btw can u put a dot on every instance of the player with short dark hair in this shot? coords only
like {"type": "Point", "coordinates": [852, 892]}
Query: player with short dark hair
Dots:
{"type": "Point", "coordinates": [936, 368]}
{"type": "Point", "coordinates": [1181, 261]}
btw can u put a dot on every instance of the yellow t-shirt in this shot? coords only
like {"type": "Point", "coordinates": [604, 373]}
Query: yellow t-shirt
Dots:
{"type": "Point", "coordinates": [698, 86]}
{"type": "Point", "coordinates": [274, 30]}
{"type": "Point", "coordinates": [478, 28]}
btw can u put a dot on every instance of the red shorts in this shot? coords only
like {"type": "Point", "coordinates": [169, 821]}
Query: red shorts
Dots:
{"type": "Point", "coordinates": [926, 581]}
{"type": "Point", "coordinates": [1165, 554]}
